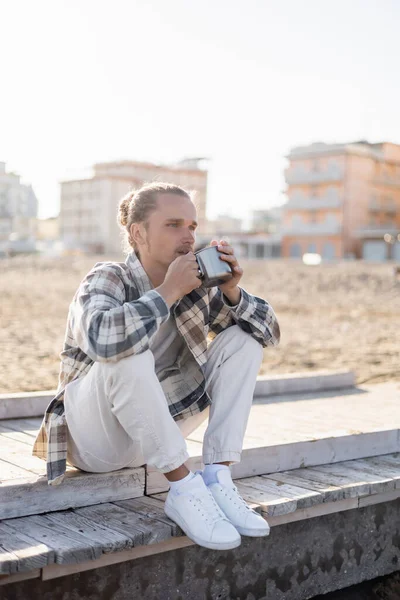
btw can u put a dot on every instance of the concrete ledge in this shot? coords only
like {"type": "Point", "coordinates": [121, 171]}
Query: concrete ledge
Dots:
{"type": "Point", "coordinates": [33, 404]}
{"type": "Point", "coordinates": [25, 404]}
{"type": "Point", "coordinates": [312, 381]}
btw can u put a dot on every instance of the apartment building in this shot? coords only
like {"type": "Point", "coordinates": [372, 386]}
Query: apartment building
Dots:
{"type": "Point", "coordinates": [18, 212]}
{"type": "Point", "coordinates": [88, 210]}
{"type": "Point", "coordinates": [343, 201]}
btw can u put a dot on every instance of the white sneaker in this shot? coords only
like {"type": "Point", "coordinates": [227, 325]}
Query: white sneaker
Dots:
{"type": "Point", "coordinates": [194, 509]}
{"type": "Point", "coordinates": [244, 518]}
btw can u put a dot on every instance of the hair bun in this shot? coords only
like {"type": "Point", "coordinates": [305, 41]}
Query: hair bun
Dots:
{"type": "Point", "coordinates": [123, 210]}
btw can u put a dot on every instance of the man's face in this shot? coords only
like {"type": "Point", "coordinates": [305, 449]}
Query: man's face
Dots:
{"type": "Point", "coordinates": [172, 229]}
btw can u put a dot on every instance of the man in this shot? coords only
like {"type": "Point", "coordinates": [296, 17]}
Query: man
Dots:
{"type": "Point", "coordinates": [137, 375]}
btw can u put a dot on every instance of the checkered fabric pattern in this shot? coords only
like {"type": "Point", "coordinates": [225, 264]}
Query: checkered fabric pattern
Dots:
{"type": "Point", "coordinates": [115, 313]}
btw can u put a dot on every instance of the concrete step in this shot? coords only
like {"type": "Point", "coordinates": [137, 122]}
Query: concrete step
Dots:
{"type": "Point", "coordinates": [33, 404]}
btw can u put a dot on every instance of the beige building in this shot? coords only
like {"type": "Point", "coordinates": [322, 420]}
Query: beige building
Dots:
{"type": "Point", "coordinates": [18, 212]}
{"type": "Point", "coordinates": [343, 201]}
{"type": "Point", "coordinates": [88, 211]}
{"type": "Point", "coordinates": [48, 229]}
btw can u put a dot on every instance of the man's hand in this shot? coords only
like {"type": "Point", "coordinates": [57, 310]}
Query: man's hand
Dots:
{"type": "Point", "coordinates": [230, 288]}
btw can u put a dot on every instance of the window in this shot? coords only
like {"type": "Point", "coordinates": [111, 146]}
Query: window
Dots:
{"type": "Point", "coordinates": [295, 251]}
{"type": "Point", "coordinates": [328, 251]}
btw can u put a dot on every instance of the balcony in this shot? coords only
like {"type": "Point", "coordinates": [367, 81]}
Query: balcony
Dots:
{"type": "Point", "coordinates": [377, 231]}
{"type": "Point", "coordinates": [382, 207]}
{"type": "Point", "coordinates": [312, 229]}
{"type": "Point", "coordinates": [313, 203]}
{"type": "Point", "coordinates": [295, 176]}
{"type": "Point", "coordinates": [386, 180]}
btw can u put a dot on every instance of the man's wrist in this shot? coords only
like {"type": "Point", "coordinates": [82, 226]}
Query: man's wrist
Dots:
{"type": "Point", "coordinates": [233, 295]}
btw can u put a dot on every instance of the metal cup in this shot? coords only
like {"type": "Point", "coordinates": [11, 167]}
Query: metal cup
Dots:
{"type": "Point", "coordinates": [213, 271]}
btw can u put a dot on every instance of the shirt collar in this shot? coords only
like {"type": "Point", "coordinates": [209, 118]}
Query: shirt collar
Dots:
{"type": "Point", "coordinates": [141, 278]}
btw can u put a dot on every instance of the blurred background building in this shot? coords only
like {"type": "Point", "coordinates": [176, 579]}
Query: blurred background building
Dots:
{"type": "Point", "coordinates": [260, 238]}
{"type": "Point", "coordinates": [88, 210]}
{"type": "Point", "coordinates": [18, 214]}
{"type": "Point", "coordinates": [343, 201]}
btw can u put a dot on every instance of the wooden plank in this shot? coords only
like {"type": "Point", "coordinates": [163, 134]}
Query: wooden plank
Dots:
{"type": "Point", "coordinates": [379, 467]}
{"type": "Point", "coordinates": [27, 554]}
{"type": "Point", "coordinates": [269, 491]}
{"type": "Point", "coordinates": [264, 460]}
{"type": "Point", "coordinates": [107, 538]}
{"type": "Point", "coordinates": [303, 497]}
{"type": "Point", "coordinates": [20, 455]}
{"type": "Point", "coordinates": [141, 529]}
{"type": "Point", "coordinates": [28, 426]}
{"type": "Point", "coordinates": [8, 561]}
{"type": "Point", "coordinates": [7, 579]}
{"type": "Point", "coordinates": [53, 571]}
{"type": "Point", "coordinates": [357, 472]}
{"type": "Point", "coordinates": [19, 436]}
{"type": "Point", "coordinates": [329, 479]}
{"type": "Point", "coordinates": [68, 547]}
{"type": "Point", "coordinates": [330, 493]}
{"type": "Point", "coordinates": [10, 471]}
{"type": "Point", "coordinates": [269, 503]}
{"type": "Point", "coordinates": [319, 510]}
{"type": "Point", "coordinates": [379, 498]}
{"type": "Point", "coordinates": [151, 508]}
{"type": "Point", "coordinates": [22, 497]}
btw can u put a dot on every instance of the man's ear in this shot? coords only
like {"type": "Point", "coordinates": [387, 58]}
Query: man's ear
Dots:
{"type": "Point", "coordinates": [137, 233]}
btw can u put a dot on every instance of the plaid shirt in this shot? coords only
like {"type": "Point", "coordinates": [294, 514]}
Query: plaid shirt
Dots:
{"type": "Point", "coordinates": [115, 313]}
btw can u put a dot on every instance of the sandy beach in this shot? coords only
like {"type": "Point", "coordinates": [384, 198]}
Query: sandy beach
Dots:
{"type": "Point", "coordinates": [334, 316]}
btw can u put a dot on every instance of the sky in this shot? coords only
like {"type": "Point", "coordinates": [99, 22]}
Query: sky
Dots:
{"type": "Point", "coordinates": [238, 82]}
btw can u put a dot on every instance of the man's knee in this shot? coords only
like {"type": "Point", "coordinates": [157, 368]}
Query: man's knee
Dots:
{"type": "Point", "coordinates": [245, 341]}
{"type": "Point", "coordinates": [142, 363]}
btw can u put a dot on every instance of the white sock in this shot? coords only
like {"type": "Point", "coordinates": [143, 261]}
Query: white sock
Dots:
{"type": "Point", "coordinates": [174, 485]}
{"type": "Point", "coordinates": [210, 473]}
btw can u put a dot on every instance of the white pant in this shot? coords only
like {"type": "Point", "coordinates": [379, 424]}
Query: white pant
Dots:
{"type": "Point", "coordinates": [117, 414]}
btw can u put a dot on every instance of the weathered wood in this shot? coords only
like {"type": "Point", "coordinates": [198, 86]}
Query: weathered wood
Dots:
{"type": "Point", "coordinates": [263, 460]}
{"type": "Point", "coordinates": [151, 508]}
{"type": "Point", "coordinates": [175, 543]}
{"type": "Point", "coordinates": [319, 510]}
{"type": "Point", "coordinates": [28, 426]}
{"type": "Point", "coordinates": [379, 498]}
{"type": "Point", "coordinates": [346, 483]}
{"type": "Point", "coordinates": [303, 497]}
{"type": "Point", "coordinates": [330, 493]}
{"type": "Point", "coordinates": [110, 540]}
{"type": "Point", "coordinates": [141, 529]}
{"type": "Point", "coordinates": [19, 436]}
{"type": "Point", "coordinates": [378, 467]}
{"type": "Point", "coordinates": [26, 497]}
{"type": "Point", "coordinates": [69, 547]}
{"type": "Point", "coordinates": [15, 577]}
{"type": "Point", "coordinates": [269, 503]}
{"type": "Point", "coordinates": [359, 476]}
{"type": "Point", "coordinates": [27, 555]}
{"type": "Point", "coordinates": [9, 471]}
{"type": "Point", "coordinates": [20, 454]}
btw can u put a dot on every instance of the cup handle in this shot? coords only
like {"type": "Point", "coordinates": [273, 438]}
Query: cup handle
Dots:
{"type": "Point", "coordinates": [201, 274]}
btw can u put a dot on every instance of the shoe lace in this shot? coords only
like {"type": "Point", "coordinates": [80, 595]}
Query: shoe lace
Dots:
{"type": "Point", "coordinates": [232, 493]}
{"type": "Point", "coordinates": [207, 507]}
